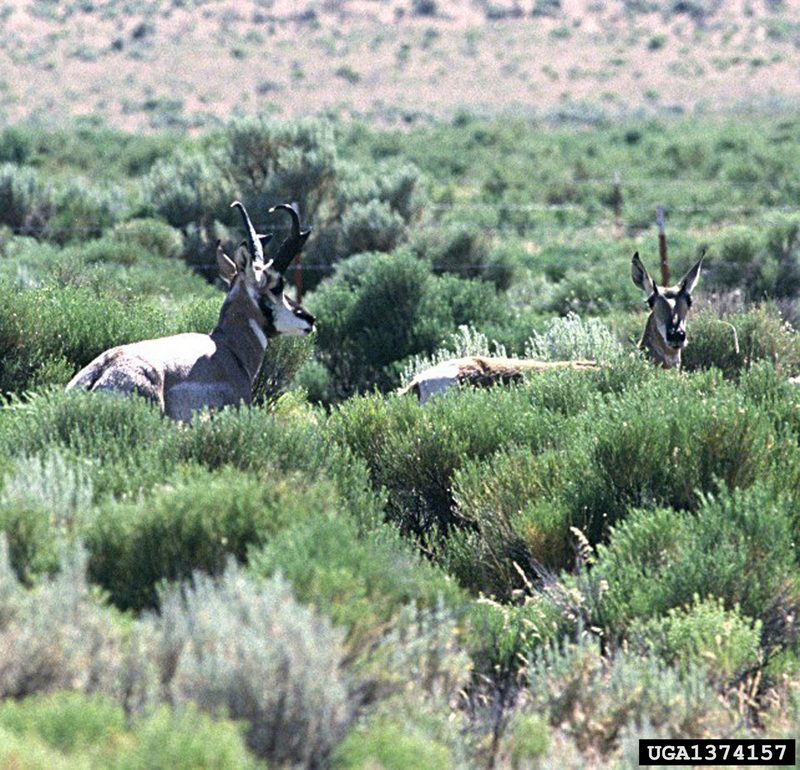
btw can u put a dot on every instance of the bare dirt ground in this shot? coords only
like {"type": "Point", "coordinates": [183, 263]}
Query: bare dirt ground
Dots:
{"type": "Point", "coordinates": [186, 65]}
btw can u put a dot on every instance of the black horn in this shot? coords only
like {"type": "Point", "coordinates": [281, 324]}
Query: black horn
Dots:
{"type": "Point", "coordinates": [293, 245]}
{"type": "Point", "coordinates": [253, 239]}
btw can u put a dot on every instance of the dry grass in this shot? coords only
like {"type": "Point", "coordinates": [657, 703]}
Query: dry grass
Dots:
{"type": "Point", "coordinates": [188, 63]}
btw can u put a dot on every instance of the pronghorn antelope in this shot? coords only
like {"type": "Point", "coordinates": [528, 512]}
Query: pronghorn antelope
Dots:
{"type": "Point", "coordinates": [664, 337]}
{"type": "Point", "coordinates": [187, 372]}
{"type": "Point", "coordinates": [482, 372]}
{"type": "Point", "coordinates": [665, 331]}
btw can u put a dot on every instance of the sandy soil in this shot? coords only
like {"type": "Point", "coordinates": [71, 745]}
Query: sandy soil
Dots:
{"type": "Point", "coordinates": [187, 64]}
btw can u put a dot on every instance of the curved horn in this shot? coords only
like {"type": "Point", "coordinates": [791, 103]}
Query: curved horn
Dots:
{"type": "Point", "coordinates": [292, 245]}
{"type": "Point", "coordinates": [253, 241]}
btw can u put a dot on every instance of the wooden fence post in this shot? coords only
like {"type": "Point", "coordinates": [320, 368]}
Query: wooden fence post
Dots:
{"type": "Point", "coordinates": [617, 200]}
{"type": "Point", "coordinates": [662, 245]}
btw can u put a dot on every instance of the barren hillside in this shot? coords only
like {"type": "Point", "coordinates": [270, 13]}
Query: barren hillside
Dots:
{"type": "Point", "coordinates": [187, 64]}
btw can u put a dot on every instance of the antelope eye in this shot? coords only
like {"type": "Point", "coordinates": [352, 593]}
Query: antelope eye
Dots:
{"type": "Point", "coordinates": [277, 287]}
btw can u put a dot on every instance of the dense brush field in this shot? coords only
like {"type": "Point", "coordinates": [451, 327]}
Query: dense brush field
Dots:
{"type": "Point", "coordinates": [529, 576]}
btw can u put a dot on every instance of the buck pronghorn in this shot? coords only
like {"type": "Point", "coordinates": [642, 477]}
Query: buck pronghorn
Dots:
{"type": "Point", "coordinates": [187, 372]}
{"type": "Point", "coordinates": [664, 337]}
{"type": "Point", "coordinates": [665, 331]}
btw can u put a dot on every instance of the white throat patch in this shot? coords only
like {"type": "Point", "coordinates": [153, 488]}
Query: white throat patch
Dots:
{"type": "Point", "coordinates": [260, 336]}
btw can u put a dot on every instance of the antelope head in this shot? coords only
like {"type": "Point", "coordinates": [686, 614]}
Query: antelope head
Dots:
{"type": "Point", "coordinates": [263, 280]}
{"type": "Point", "coordinates": [665, 332]}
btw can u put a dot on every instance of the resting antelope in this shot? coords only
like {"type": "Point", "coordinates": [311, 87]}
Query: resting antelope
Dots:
{"type": "Point", "coordinates": [665, 331]}
{"type": "Point", "coordinates": [187, 372]}
{"type": "Point", "coordinates": [664, 337]}
{"type": "Point", "coordinates": [482, 372]}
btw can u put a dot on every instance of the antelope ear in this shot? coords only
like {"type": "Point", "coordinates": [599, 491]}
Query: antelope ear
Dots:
{"type": "Point", "coordinates": [641, 277]}
{"type": "Point", "coordinates": [227, 268]}
{"type": "Point", "coordinates": [689, 281]}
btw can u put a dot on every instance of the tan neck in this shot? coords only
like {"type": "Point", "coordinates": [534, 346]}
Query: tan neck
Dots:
{"type": "Point", "coordinates": [240, 330]}
{"type": "Point", "coordinates": [656, 349]}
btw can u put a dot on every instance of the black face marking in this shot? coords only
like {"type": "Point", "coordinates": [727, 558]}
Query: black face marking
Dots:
{"type": "Point", "coordinates": [269, 323]}
{"type": "Point", "coordinates": [277, 288]}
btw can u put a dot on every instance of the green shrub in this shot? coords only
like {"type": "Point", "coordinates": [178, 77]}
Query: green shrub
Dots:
{"type": "Point", "coordinates": [184, 740]}
{"type": "Point", "coordinates": [68, 324]}
{"type": "Point", "coordinates": [188, 188]}
{"type": "Point", "coordinates": [155, 236]}
{"type": "Point", "coordinates": [362, 580]}
{"type": "Point", "coordinates": [252, 439]}
{"type": "Point", "coordinates": [590, 293]}
{"type": "Point", "coordinates": [119, 444]}
{"type": "Point", "coordinates": [521, 520]}
{"type": "Point", "coordinates": [351, 210]}
{"type": "Point", "coordinates": [361, 342]}
{"type": "Point", "coordinates": [284, 358]}
{"type": "Point", "coordinates": [83, 210]}
{"type": "Point", "coordinates": [361, 304]}
{"type": "Point", "coordinates": [274, 161]}
{"type": "Point", "coordinates": [28, 753]}
{"type": "Point", "coordinates": [58, 637]}
{"type": "Point", "coordinates": [777, 398]}
{"type": "Point", "coordinates": [15, 145]}
{"type": "Point", "coordinates": [569, 338]}
{"type": "Point", "coordinates": [760, 333]}
{"type": "Point", "coordinates": [44, 499]}
{"type": "Point", "coordinates": [194, 524]}
{"type": "Point", "coordinates": [371, 226]}
{"type": "Point", "coordinates": [528, 740]}
{"type": "Point", "coordinates": [118, 268]}
{"type": "Point", "coordinates": [457, 248]}
{"type": "Point", "coordinates": [26, 202]}
{"type": "Point", "coordinates": [740, 261]}
{"type": "Point", "coordinates": [783, 246]}
{"type": "Point", "coordinates": [703, 633]}
{"type": "Point", "coordinates": [72, 730]}
{"type": "Point", "coordinates": [250, 652]}
{"type": "Point", "coordinates": [737, 547]}
{"type": "Point", "coordinates": [662, 443]}
{"type": "Point", "coordinates": [111, 250]}
{"type": "Point", "coordinates": [761, 262]}
{"type": "Point", "coordinates": [392, 745]}
{"type": "Point", "coordinates": [596, 699]}
{"type": "Point", "coordinates": [67, 722]}
{"type": "Point", "coordinates": [413, 452]}
{"type": "Point", "coordinates": [501, 638]}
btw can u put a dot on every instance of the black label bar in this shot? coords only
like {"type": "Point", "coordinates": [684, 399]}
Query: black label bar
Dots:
{"type": "Point", "coordinates": [723, 753]}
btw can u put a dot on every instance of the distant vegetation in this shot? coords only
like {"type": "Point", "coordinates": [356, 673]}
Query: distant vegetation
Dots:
{"type": "Point", "coordinates": [519, 577]}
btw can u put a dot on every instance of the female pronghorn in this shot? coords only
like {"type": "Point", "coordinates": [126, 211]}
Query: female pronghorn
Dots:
{"type": "Point", "coordinates": [187, 372]}
{"type": "Point", "coordinates": [663, 339]}
{"type": "Point", "coordinates": [665, 331]}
